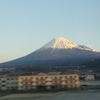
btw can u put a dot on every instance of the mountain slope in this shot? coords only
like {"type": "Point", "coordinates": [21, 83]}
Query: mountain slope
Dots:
{"type": "Point", "coordinates": [58, 51]}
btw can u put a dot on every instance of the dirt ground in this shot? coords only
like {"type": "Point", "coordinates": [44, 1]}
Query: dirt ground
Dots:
{"type": "Point", "coordinates": [80, 95]}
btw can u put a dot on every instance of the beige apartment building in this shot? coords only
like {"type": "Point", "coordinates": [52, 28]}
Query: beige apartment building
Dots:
{"type": "Point", "coordinates": [48, 80]}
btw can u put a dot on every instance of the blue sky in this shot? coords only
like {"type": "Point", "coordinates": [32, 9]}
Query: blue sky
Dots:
{"type": "Point", "coordinates": [26, 25]}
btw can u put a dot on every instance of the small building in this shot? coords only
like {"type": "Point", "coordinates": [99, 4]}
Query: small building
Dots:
{"type": "Point", "coordinates": [89, 77]}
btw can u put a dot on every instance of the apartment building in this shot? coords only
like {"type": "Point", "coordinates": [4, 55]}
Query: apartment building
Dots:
{"type": "Point", "coordinates": [49, 81]}
{"type": "Point", "coordinates": [33, 81]}
{"type": "Point", "coordinates": [8, 83]}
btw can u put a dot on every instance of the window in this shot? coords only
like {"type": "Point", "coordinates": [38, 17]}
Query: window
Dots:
{"type": "Point", "coordinates": [37, 82]}
{"type": "Point", "coordinates": [3, 81]}
{"type": "Point", "coordinates": [75, 76]}
{"type": "Point", "coordinates": [7, 78]}
{"type": "Point", "coordinates": [12, 79]}
{"type": "Point", "coordinates": [60, 77]}
{"type": "Point", "coordinates": [71, 81]}
{"type": "Point", "coordinates": [31, 77]}
{"type": "Point", "coordinates": [21, 86]}
{"type": "Point", "coordinates": [26, 83]}
{"type": "Point", "coordinates": [71, 77]}
{"type": "Point", "coordinates": [41, 77]}
{"type": "Point", "coordinates": [3, 85]}
{"type": "Point", "coordinates": [36, 78]}
{"type": "Point", "coordinates": [16, 82]}
{"type": "Point", "coordinates": [8, 88]}
{"type": "Point", "coordinates": [16, 87]}
{"type": "Point", "coordinates": [66, 77]}
{"type": "Point", "coordinates": [66, 81]}
{"type": "Point", "coordinates": [55, 77]}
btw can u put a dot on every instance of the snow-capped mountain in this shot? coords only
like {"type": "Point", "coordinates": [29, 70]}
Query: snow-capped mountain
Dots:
{"type": "Point", "coordinates": [62, 43]}
{"type": "Point", "coordinates": [59, 51]}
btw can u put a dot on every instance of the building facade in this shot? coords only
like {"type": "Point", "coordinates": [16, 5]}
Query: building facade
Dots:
{"type": "Point", "coordinates": [48, 81]}
{"type": "Point", "coordinates": [8, 83]}
{"type": "Point", "coordinates": [29, 82]}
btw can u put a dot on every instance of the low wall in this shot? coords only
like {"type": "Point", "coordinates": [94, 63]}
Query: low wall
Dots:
{"type": "Point", "coordinates": [89, 82]}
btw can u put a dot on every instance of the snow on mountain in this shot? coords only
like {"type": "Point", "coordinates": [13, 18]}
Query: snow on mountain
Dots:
{"type": "Point", "coordinates": [62, 43]}
{"type": "Point", "coordinates": [83, 47]}
{"type": "Point", "coordinates": [59, 43]}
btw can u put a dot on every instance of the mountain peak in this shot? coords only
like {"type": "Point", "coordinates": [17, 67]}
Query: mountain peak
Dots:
{"type": "Point", "coordinates": [62, 43]}
{"type": "Point", "coordinates": [59, 43]}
